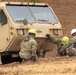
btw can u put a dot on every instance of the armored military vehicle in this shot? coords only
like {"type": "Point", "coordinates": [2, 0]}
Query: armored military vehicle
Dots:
{"type": "Point", "coordinates": [16, 18]}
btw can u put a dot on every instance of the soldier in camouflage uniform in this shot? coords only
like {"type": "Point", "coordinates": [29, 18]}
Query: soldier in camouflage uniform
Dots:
{"type": "Point", "coordinates": [72, 44]}
{"type": "Point", "coordinates": [60, 44]}
{"type": "Point", "coordinates": [29, 47]}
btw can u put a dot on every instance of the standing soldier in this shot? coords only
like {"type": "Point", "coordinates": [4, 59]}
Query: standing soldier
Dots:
{"type": "Point", "coordinates": [29, 47]}
{"type": "Point", "coordinates": [60, 44]}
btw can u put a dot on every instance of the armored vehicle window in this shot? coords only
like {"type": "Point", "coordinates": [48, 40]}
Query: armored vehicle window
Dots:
{"type": "Point", "coordinates": [43, 14]}
{"type": "Point", "coordinates": [3, 19]}
{"type": "Point", "coordinates": [18, 13]}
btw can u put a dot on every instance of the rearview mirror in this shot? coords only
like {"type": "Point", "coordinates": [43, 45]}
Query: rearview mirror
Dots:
{"type": "Point", "coordinates": [25, 22]}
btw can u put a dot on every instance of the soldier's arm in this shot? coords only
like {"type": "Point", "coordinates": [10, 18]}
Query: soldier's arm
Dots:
{"type": "Point", "coordinates": [34, 48]}
{"type": "Point", "coordinates": [52, 39]}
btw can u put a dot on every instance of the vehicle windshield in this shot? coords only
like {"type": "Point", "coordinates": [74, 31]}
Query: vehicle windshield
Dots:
{"type": "Point", "coordinates": [18, 13]}
{"type": "Point", "coordinates": [40, 14]}
{"type": "Point", "coordinates": [43, 14]}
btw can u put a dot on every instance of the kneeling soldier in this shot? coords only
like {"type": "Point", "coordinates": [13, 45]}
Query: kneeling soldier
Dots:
{"type": "Point", "coordinates": [29, 47]}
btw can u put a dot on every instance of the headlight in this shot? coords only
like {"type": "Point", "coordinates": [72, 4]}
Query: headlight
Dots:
{"type": "Point", "coordinates": [22, 31]}
{"type": "Point", "coordinates": [25, 31]}
{"type": "Point", "coordinates": [55, 31]}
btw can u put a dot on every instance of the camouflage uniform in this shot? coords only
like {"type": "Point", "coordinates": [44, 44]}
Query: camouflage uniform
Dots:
{"type": "Point", "coordinates": [71, 47]}
{"type": "Point", "coordinates": [59, 45]}
{"type": "Point", "coordinates": [28, 48]}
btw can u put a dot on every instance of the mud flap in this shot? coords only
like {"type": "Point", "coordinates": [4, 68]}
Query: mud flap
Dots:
{"type": "Point", "coordinates": [51, 53]}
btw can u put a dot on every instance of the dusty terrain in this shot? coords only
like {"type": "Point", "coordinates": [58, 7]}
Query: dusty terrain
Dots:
{"type": "Point", "coordinates": [66, 12]}
{"type": "Point", "coordinates": [50, 66]}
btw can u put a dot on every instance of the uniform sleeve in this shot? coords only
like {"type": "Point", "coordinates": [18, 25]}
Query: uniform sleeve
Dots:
{"type": "Point", "coordinates": [54, 40]}
{"type": "Point", "coordinates": [34, 47]}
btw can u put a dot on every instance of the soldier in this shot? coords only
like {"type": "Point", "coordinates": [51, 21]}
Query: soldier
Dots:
{"type": "Point", "coordinates": [29, 47]}
{"type": "Point", "coordinates": [60, 44]}
{"type": "Point", "coordinates": [72, 44]}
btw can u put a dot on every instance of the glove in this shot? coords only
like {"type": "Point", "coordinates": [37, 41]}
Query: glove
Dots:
{"type": "Point", "coordinates": [33, 58]}
{"type": "Point", "coordinates": [48, 35]}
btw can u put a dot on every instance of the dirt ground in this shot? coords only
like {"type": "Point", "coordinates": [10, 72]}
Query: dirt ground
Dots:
{"type": "Point", "coordinates": [65, 11]}
{"type": "Point", "coordinates": [44, 66]}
